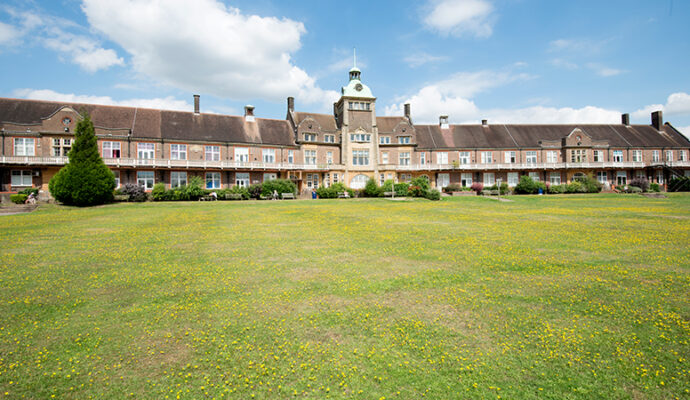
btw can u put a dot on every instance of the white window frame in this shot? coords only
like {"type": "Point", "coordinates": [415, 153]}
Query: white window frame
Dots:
{"type": "Point", "coordinates": [213, 178]}
{"type": "Point", "coordinates": [24, 146]}
{"type": "Point", "coordinates": [268, 156]}
{"type": "Point", "coordinates": [146, 150]}
{"type": "Point", "coordinates": [534, 175]}
{"type": "Point", "coordinates": [510, 157]}
{"type": "Point", "coordinates": [442, 158]}
{"type": "Point", "coordinates": [310, 157]}
{"type": "Point", "coordinates": [531, 157]}
{"type": "Point", "coordinates": [178, 178]}
{"type": "Point", "coordinates": [669, 155]}
{"type": "Point", "coordinates": [464, 157]}
{"type": "Point", "coordinates": [269, 176]}
{"type": "Point", "coordinates": [442, 180]}
{"type": "Point", "coordinates": [360, 157]}
{"type": "Point", "coordinates": [146, 179]}
{"type": "Point", "coordinates": [22, 178]}
{"type": "Point", "coordinates": [384, 139]}
{"type": "Point", "coordinates": [621, 177]}
{"type": "Point", "coordinates": [555, 178]}
{"type": "Point", "coordinates": [655, 156]}
{"type": "Point", "coordinates": [551, 157]}
{"type": "Point", "coordinates": [112, 149]}
{"type": "Point", "coordinates": [291, 157]}
{"type": "Point", "coordinates": [404, 139]}
{"type": "Point", "coordinates": [487, 157]}
{"type": "Point", "coordinates": [309, 137]}
{"type": "Point", "coordinates": [598, 156]}
{"type": "Point", "coordinates": [241, 154]}
{"type": "Point", "coordinates": [682, 155]}
{"type": "Point", "coordinates": [329, 138]}
{"type": "Point", "coordinates": [618, 156]}
{"type": "Point", "coordinates": [178, 151]}
{"type": "Point", "coordinates": [489, 178]}
{"type": "Point", "coordinates": [329, 157]}
{"type": "Point", "coordinates": [467, 178]}
{"type": "Point", "coordinates": [404, 158]}
{"type": "Point", "coordinates": [422, 158]}
{"type": "Point", "coordinates": [602, 177]}
{"type": "Point", "coordinates": [117, 178]}
{"type": "Point", "coordinates": [513, 179]}
{"type": "Point", "coordinates": [212, 153]}
{"type": "Point", "coordinates": [242, 179]}
{"type": "Point", "coordinates": [637, 155]}
{"type": "Point", "coordinates": [384, 157]}
{"type": "Point", "coordinates": [61, 146]}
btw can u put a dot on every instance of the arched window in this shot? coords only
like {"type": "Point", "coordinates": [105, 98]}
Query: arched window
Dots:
{"type": "Point", "coordinates": [359, 181]}
{"type": "Point", "coordinates": [579, 176]}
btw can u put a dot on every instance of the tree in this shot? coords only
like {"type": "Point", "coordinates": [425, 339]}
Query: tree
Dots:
{"type": "Point", "coordinates": [85, 180]}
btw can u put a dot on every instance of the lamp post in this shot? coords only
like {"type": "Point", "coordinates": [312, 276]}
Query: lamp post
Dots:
{"type": "Point", "coordinates": [498, 184]}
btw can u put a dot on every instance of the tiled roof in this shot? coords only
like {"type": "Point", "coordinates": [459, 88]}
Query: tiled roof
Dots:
{"type": "Point", "coordinates": [327, 121]}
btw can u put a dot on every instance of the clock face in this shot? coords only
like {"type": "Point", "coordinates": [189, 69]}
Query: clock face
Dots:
{"type": "Point", "coordinates": [66, 121]}
{"type": "Point", "coordinates": [358, 87]}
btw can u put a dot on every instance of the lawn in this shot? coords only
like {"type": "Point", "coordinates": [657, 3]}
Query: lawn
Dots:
{"type": "Point", "coordinates": [558, 297]}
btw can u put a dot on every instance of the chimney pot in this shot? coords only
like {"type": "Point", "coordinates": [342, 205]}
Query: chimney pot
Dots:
{"type": "Point", "coordinates": [485, 122]}
{"type": "Point", "coordinates": [657, 120]}
{"type": "Point", "coordinates": [291, 104]}
{"type": "Point", "coordinates": [407, 111]}
{"type": "Point", "coordinates": [625, 119]}
{"type": "Point", "coordinates": [196, 104]}
{"type": "Point", "coordinates": [249, 112]}
{"type": "Point", "coordinates": [443, 121]}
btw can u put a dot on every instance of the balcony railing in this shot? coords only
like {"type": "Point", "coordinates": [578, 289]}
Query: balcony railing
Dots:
{"type": "Point", "coordinates": [513, 166]}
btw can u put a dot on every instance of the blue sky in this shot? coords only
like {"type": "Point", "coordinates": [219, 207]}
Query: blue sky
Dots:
{"type": "Point", "coordinates": [513, 61]}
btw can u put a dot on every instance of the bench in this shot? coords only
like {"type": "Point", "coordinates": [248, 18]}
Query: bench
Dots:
{"type": "Point", "coordinates": [343, 195]}
{"type": "Point", "coordinates": [388, 194]}
{"type": "Point", "coordinates": [233, 196]}
{"type": "Point", "coordinates": [490, 192]}
{"type": "Point", "coordinates": [208, 198]}
{"type": "Point", "coordinates": [121, 197]}
{"type": "Point", "coordinates": [286, 196]}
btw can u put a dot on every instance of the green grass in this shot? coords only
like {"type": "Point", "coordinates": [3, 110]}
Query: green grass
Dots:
{"type": "Point", "coordinates": [558, 297]}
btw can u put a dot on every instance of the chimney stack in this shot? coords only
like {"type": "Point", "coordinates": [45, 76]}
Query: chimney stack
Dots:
{"type": "Point", "coordinates": [485, 122]}
{"type": "Point", "coordinates": [407, 111]}
{"type": "Point", "coordinates": [443, 121]}
{"type": "Point", "coordinates": [196, 104]}
{"type": "Point", "coordinates": [625, 119]}
{"type": "Point", "coordinates": [657, 120]}
{"type": "Point", "coordinates": [291, 104]}
{"type": "Point", "coordinates": [249, 113]}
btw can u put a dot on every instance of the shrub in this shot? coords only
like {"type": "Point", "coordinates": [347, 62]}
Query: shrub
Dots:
{"type": "Point", "coordinates": [85, 180]}
{"type": "Point", "coordinates": [453, 187]}
{"type": "Point", "coordinates": [654, 187]}
{"type": "Point", "coordinates": [591, 184]}
{"type": "Point", "coordinates": [401, 189]}
{"type": "Point", "coordinates": [28, 191]}
{"type": "Point", "coordinates": [387, 186]}
{"type": "Point", "coordinates": [19, 198]}
{"type": "Point", "coordinates": [371, 189]}
{"type": "Point", "coordinates": [279, 185]}
{"type": "Point", "coordinates": [255, 190]}
{"type": "Point", "coordinates": [679, 184]}
{"type": "Point", "coordinates": [159, 193]}
{"type": "Point", "coordinates": [135, 192]}
{"type": "Point", "coordinates": [433, 194]}
{"type": "Point", "coordinates": [641, 183]}
{"type": "Point", "coordinates": [419, 187]}
{"type": "Point", "coordinates": [195, 188]}
{"type": "Point", "coordinates": [477, 187]}
{"type": "Point", "coordinates": [332, 191]}
{"type": "Point", "coordinates": [526, 186]}
{"type": "Point", "coordinates": [634, 189]}
{"type": "Point", "coordinates": [557, 189]}
{"type": "Point", "coordinates": [239, 190]}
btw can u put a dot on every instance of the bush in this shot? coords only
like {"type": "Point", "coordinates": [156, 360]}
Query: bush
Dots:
{"type": "Point", "coordinates": [135, 192]}
{"type": "Point", "coordinates": [557, 189]}
{"type": "Point", "coordinates": [371, 189]}
{"type": "Point", "coordinates": [19, 198]}
{"type": "Point", "coordinates": [641, 183]}
{"type": "Point", "coordinates": [194, 189]}
{"type": "Point", "coordinates": [654, 187]}
{"type": "Point", "coordinates": [453, 187]}
{"type": "Point", "coordinates": [332, 191]}
{"type": "Point", "coordinates": [255, 190]}
{"type": "Point", "coordinates": [159, 193]}
{"type": "Point", "coordinates": [85, 180]}
{"type": "Point", "coordinates": [477, 187]}
{"type": "Point", "coordinates": [679, 184]}
{"type": "Point", "coordinates": [526, 186]}
{"type": "Point", "coordinates": [401, 189]}
{"type": "Point", "coordinates": [239, 190]}
{"type": "Point", "coordinates": [387, 186]}
{"type": "Point", "coordinates": [433, 194]}
{"type": "Point", "coordinates": [419, 187]}
{"type": "Point", "coordinates": [29, 191]}
{"type": "Point", "coordinates": [279, 185]}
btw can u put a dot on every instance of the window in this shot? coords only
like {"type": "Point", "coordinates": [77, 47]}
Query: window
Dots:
{"type": "Point", "coordinates": [405, 177]}
{"type": "Point", "coordinates": [327, 180]}
{"type": "Point", "coordinates": [512, 179]}
{"type": "Point", "coordinates": [145, 179]}
{"type": "Point", "coordinates": [422, 158]}
{"type": "Point", "coordinates": [335, 177]}
{"type": "Point", "coordinates": [405, 158]}
{"type": "Point", "coordinates": [242, 155]}
{"type": "Point", "coordinates": [464, 157]}
{"type": "Point", "coordinates": [111, 149]}
{"type": "Point", "coordinates": [310, 137]}
{"type": "Point", "coordinates": [291, 156]}
{"type": "Point", "coordinates": [555, 178]}
{"type": "Point", "coordinates": [269, 155]}
{"type": "Point", "coordinates": [598, 156]}
{"type": "Point", "coordinates": [117, 178]}
{"type": "Point", "coordinates": [442, 158]}
{"type": "Point", "coordinates": [329, 157]}
{"type": "Point", "coordinates": [360, 137]}
{"type": "Point", "coordinates": [310, 157]}
{"type": "Point", "coordinates": [510, 157]}
{"type": "Point", "coordinates": [21, 178]}
{"type": "Point", "coordinates": [385, 139]}
{"type": "Point", "coordinates": [212, 153]}
{"type": "Point", "coordinates": [669, 155]}
{"type": "Point", "coordinates": [242, 179]}
{"type": "Point", "coordinates": [269, 176]}
{"type": "Point", "coordinates": [602, 177]}
{"type": "Point", "coordinates": [578, 156]}
{"type": "Point", "coordinates": [531, 157]}
{"type": "Point", "coordinates": [178, 179]}
{"type": "Point", "coordinates": [24, 146]}
{"type": "Point", "coordinates": [621, 178]}
{"type": "Point", "coordinates": [486, 158]}
{"type": "Point", "coordinates": [637, 155]}
{"type": "Point", "coordinates": [660, 177]}
{"type": "Point", "coordinates": [313, 181]}
{"type": "Point", "coordinates": [382, 179]}
{"type": "Point", "coordinates": [404, 140]}
{"type": "Point", "coordinates": [178, 151]}
{"type": "Point", "coordinates": [329, 138]}
{"type": "Point", "coordinates": [534, 176]}
{"type": "Point", "coordinates": [146, 150]}
{"type": "Point", "coordinates": [489, 178]}
{"type": "Point", "coordinates": [655, 156]}
{"type": "Point", "coordinates": [384, 157]}
{"type": "Point", "coordinates": [551, 157]}
{"type": "Point", "coordinates": [466, 179]}
{"type": "Point", "coordinates": [618, 156]}
{"type": "Point", "coordinates": [213, 180]}
{"type": "Point", "coordinates": [442, 180]}
{"type": "Point", "coordinates": [358, 105]}
{"type": "Point", "coordinates": [682, 156]}
{"type": "Point", "coordinates": [360, 157]}
{"type": "Point", "coordinates": [62, 146]}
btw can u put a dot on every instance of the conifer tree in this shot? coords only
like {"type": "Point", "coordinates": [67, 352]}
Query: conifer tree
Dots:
{"type": "Point", "coordinates": [85, 180]}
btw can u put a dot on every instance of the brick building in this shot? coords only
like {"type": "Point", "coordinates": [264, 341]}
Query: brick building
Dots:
{"type": "Point", "coordinates": [353, 144]}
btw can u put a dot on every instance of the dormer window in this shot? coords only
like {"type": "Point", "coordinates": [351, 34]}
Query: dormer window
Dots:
{"type": "Point", "coordinates": [360, 137]}
{"type": "Point", "coordinates": [404, 140]}
{"type": "Point", "coordinates": [360, 106]}
{"type": "Point", "coordinates": [385, 139]}
{"type": "Point", "coordinates": [329, 138]}
{"type": "Point", "coordinates": [310, 137]}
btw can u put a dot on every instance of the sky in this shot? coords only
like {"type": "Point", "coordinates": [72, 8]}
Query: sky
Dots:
{"type": "Point", "coordinates": [508, 61]}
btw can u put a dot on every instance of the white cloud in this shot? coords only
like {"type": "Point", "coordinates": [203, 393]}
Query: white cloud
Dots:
{"type": "Point", "coordinates": [461, 17]}
{"type": "Point", "coordinates": [7, 33]}
{"type": "Point", "coordinates": [419, 59]}
{"type": "Point", "coordinates": [561, 63]}
{"type": "Point", "coordinates": [676, 104]}
{"type": "Point", "coordinates": [206, 47]}
{"type": "Point", "coordinates": [685, 130]}
{"type": "Point", "coordinates": [166, 103]}
{"type": "Point", "coordinates": [603, 70]}
{"type": "Point", "coordinates": [553, 115]}
{"type": "Point", "coordinates": [582, 46]}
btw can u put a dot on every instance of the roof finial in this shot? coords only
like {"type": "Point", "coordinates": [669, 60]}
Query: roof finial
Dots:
{"type": "Point", "coordinates": [354, 55]}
